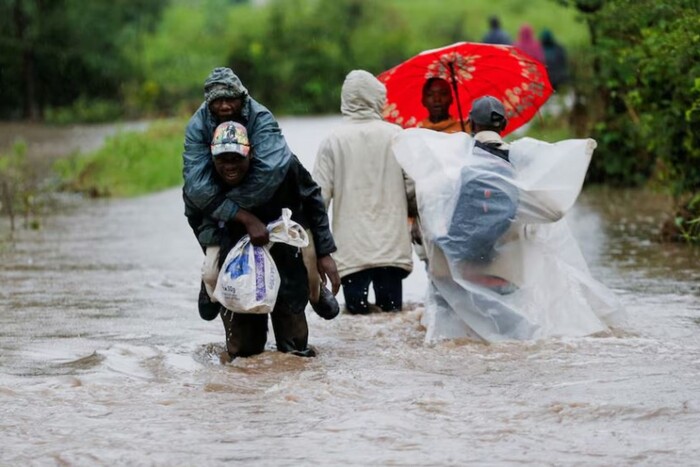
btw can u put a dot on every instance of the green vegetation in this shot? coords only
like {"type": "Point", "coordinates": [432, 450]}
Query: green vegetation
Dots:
{"type": "Point", "coordinates": [641, 98]}
{"type": "Point", "coordinates": [71, 61]}
{"type": "Point", "coordinates": [129, 163]}
{"type": "Point", "coordinates": [468, 20]}
{"type": "Point", "coordinates": [21, 184]}
{"type": "Point", "coordinates": [294, 54]}
{"type": "Point", "coordinates": [54, 53]}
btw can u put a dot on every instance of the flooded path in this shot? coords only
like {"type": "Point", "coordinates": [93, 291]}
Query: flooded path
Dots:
{"type": "Point", "coordinates": [50, 142]}
{"type": "Point", "coordinates": [105, 361]}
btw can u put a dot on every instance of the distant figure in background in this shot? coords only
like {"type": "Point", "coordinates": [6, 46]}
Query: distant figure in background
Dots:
{"type": "Point", "coordinates": [356, 169]}
{"type": "Point", "coordinates": [528, 44]}
{"type": "Point", "coordinates": [555, 59]}
{"type": "Point", "coordinates": [496, 35]}
{"type": "Point", "coordinates": [437, 99]}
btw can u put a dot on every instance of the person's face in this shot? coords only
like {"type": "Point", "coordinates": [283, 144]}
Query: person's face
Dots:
{"type": "Point", "coordinates": [226, 108]}
{"type": "Point", "coordinates": [437, 99]}
{"type": "Point", "coordinates": [232, 167]}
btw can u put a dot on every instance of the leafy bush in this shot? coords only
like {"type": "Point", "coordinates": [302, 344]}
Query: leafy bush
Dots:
{"type": "Point", "coordinates": [642, 100]}
{"type": "Point", "coordinates": [644, 97]}
{"type": "Point", "coordinates": [84, 110]}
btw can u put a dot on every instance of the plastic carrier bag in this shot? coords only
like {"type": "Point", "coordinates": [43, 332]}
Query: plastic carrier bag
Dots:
{"type": "Point", "coordinates": [248, 281]}
{"type": "Point", "coordinates": [502, 261]}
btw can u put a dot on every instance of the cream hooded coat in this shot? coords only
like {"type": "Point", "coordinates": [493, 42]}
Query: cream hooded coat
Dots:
{"type": "Point", "coordinates": [356, 169]}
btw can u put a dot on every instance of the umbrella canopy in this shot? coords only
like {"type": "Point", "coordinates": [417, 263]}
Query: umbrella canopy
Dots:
{"type": "Point", "coordinates": [473, 70]}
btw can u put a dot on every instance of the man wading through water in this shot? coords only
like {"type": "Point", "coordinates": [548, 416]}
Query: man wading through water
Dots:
{"type": "Point", "coordinates": [226, 99]}
{"type": "Point", "coordinates": [246, 334]}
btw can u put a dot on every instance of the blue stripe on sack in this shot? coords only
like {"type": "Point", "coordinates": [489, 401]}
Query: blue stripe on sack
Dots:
{"type": "Point", "coordinates": [259, 258]}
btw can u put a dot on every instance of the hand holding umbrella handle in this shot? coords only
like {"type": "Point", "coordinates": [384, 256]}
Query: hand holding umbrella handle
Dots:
{"type": "Point", "coordinates": [453, 80]}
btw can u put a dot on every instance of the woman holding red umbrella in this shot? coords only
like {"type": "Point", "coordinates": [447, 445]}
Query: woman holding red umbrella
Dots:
{"type": "Point", "coordinates": [472, 70]}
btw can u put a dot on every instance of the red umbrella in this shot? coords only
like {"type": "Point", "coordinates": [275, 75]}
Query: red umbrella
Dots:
{"type": "Point", "coordinates": [474, 70]}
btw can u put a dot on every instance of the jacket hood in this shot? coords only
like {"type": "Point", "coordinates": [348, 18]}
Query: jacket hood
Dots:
{"type": "Point", "coordinates": [363, 96]}
{"type": "Point", "coordinates": [223, 82]}
{"type": "Point", "coordinates": [526, 34]}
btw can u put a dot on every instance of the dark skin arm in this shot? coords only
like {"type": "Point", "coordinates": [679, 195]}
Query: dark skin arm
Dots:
{"type": "Point", "coordinates": [329, 272]}
{"type": "Point", "coordinates": [259, 236]}
{"type": "Point", "coordinates": [257, 231]}
{"type": "Point", "coordinates": [416, 234]}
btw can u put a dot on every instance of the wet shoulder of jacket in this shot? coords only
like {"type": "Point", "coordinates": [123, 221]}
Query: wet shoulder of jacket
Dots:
{"type": "Point", "coordinates": [199, 116]}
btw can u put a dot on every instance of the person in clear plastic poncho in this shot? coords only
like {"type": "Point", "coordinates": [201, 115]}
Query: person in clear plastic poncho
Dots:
{"type": "Point", "coordinates": [502, 261]}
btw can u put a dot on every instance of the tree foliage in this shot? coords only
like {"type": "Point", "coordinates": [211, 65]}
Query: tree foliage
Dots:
{"type": "Point", "coordinates": [52, 52]}
{"type": "Point", "coordinates": [641, 97]}
{"type": "Point", "coordinates": [645, 93]}
{"type": "Point", "coordinates": [300, 61]}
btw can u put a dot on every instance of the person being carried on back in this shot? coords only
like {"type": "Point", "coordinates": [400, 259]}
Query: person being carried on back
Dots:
{"type": "Point", "coordinates": [208, 203]}
{"type": "Point", "coordinates": [246, 334]}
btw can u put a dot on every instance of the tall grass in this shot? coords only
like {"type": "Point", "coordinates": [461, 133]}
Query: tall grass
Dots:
{"type": "Point", "coordinates": [129, 163]}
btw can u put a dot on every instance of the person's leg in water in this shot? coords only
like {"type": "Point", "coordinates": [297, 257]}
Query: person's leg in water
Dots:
{"type": "Point", "coordinates": [246, 334]}
{"type": "Point", "coordinates": [355, 290]}
{"type": "Point", "coordinates": [291, 330]}
{"type": "Point", "coordinates": [207, 304]}
{"type": "Point", "coordinates": [388, 288]}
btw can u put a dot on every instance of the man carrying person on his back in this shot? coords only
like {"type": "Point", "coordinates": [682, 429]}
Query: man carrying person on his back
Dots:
{"type": "Point", "coordinates": [246, 334]}
{"type": "Point", "coordinates": [226, 99]}
{"type": "Point", "coordinates": [356, 169]}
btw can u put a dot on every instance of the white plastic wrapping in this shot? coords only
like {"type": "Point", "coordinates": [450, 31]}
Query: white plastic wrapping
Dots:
{"type": "Point", "coordinates": [502, 261]}
{"type": "Point", "coordinates": [248, 281]}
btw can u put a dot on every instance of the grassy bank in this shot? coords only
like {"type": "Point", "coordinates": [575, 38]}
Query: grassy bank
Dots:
{"type": "Point", "coordinates": [129, 164]}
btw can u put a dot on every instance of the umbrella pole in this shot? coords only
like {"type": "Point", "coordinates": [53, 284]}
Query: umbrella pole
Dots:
{"type": "Point", "coordinates": [454, 87]}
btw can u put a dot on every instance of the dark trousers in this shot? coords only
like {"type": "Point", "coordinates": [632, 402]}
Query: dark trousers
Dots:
{"type": "Point", "coordinates": [246, 334]}
{"type": "Point", "coordinates": [386, 282]}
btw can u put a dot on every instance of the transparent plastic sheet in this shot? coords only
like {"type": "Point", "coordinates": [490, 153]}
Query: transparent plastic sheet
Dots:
{"type": "Point", "coordinates": [502, 261]}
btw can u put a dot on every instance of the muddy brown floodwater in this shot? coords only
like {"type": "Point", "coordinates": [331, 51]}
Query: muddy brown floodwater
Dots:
{"type": "Point", "coordinates": [105, 361]}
